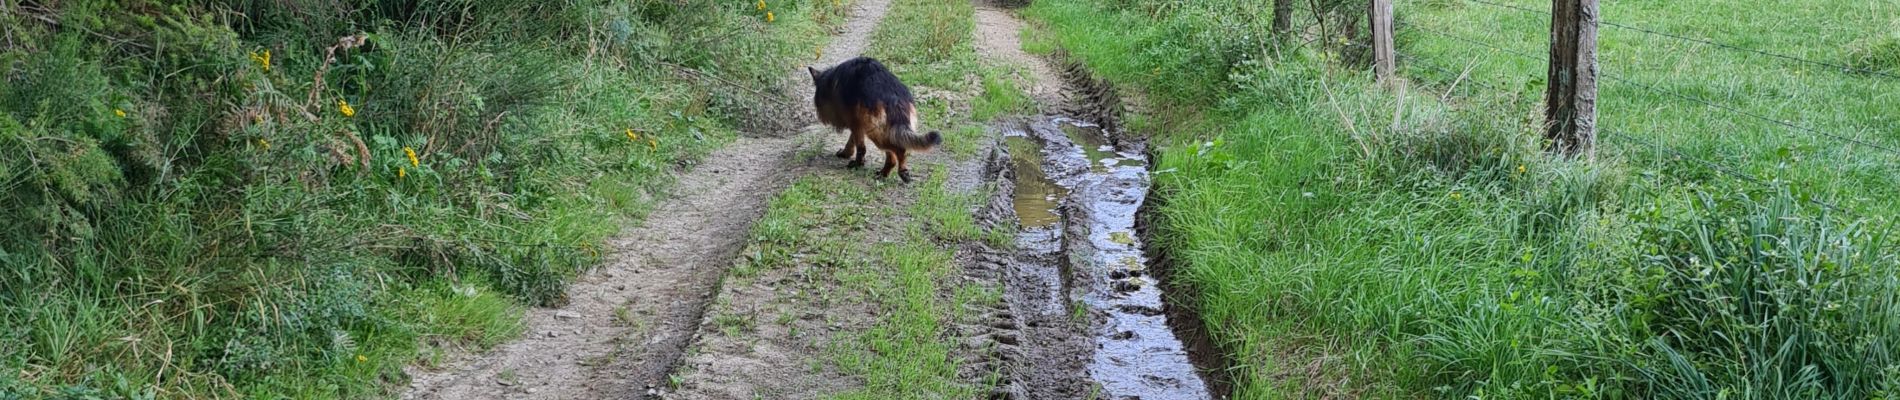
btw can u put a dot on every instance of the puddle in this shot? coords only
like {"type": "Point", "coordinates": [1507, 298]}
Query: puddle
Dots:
{"type": "Point", "coordinates": [1091, 193]}
{"type": "Point", "coordinates": [1035, 198]}
{"type": "Point", "coordinates": [1094, 145]}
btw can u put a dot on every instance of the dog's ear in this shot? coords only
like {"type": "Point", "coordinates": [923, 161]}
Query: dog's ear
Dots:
{"type": "Point", "coordinates": [814, 72]}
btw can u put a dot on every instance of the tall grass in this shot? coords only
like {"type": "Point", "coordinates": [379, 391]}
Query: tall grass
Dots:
{"type": "Point", "coordinates": [196, 202]}
{"type": "Point", "coordinates": [1336, 246]}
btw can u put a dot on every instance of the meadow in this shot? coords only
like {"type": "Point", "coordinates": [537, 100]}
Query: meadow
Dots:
{"type": "Point", "coordinates": [295, 199]}
{"type": "Point", "coordinates": [1343, 238]}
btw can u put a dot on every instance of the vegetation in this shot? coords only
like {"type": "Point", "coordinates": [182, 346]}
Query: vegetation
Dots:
{"type": "Point", "coordinates": [1340, 238]}
{"type": "Point", "coordinates": [906, 353]}
{"type": "Point", "coordinates": [295, 199]}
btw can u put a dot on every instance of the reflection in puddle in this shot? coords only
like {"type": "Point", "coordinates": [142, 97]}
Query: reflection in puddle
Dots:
{"type": "Point", "coordinates": [1137, 354]}
{"type": "Point", "coordinates": [1036, 196]}
{"type": "Point", "coordinates": [1094, 145]}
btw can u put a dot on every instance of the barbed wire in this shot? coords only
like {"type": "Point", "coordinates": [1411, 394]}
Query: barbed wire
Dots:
{"type": "Point", "coordinates": [1719, 168]}
{"type": "Point", "coordinates": [1844, 68]}
{"type": "Point", "coordinates": [1711, 165]}
{"type": "Point", "coordinates": [1711, 104]}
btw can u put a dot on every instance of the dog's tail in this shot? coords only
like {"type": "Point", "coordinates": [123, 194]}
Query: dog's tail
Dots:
{"type": "Point", "coordinates": [904, 132]}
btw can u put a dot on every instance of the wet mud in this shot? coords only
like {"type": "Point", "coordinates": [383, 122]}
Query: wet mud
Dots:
{"type": "Point", "coordinates": [1083, 302]}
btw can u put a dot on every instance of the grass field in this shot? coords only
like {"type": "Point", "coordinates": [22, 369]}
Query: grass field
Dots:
{"type": "Point", "coordinates": [1338, 246]}
{"type": "Point", "coordinates": [194, 203]}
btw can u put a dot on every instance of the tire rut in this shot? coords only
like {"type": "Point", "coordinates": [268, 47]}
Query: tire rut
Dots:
{"type": "Point", "coordinates": [630, 321]}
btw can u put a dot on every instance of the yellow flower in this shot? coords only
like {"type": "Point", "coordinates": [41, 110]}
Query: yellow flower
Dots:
{"type": "Point", "coordinates": [1520, 168]}
{"type": "Point", "coordinates": [413, 162]}
{"type": "Point", "coordinates": [654, 144]}
{"type": "Point", "coordinates": [344, 107]}
{"type": "Point", "coordinates": [120, 112]}
{"type": "Point", "coordinates": [768, 16]}
{"type": "Point", "coordinates": [817, 53]}
{"type": "Point", "coordinates": [632, 136]}
{"type": "Point", "coordinates": [761, 5]}
{"type": "Point", "coordinates": [400, 172]}
{"type": "Point", "coordinates": [263, 143]}
{"type": "Point", "coordinates": [361, 358]}
{"type": "Point", "coordinates": [262, 59]}
{"type": "Point", "coordinates": [1457, 196]}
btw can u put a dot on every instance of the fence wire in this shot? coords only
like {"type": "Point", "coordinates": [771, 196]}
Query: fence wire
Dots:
{"type": "Point", "coordinates": [1726, 46]}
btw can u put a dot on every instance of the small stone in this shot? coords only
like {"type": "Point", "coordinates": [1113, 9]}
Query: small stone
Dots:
{"type": "Point", "coordinates": [566, 315]}
{"type": "Point", "coordinates": [622, 288]}
{"type": "Point", "coordinates": [653, 392]}
{"type": "Point", "coordinates": [554, 334]}
{"type": "Point", "coordinates": [532, 390]}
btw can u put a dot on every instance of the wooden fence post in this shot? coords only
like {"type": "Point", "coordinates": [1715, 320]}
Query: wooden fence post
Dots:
{"type": "Point", "coordinates": [1382, 54]}
{"type": "Point", "coordinates": [1282, 17]}
{"type": "Point", "coordinates": [1570, 112]}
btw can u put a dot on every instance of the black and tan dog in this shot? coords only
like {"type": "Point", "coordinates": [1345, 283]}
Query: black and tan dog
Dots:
{"type": "Point", "coordinates": [863, 96]}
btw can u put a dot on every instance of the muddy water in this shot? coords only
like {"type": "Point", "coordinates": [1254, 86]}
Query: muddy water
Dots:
{"type": "Point", "coordinates": [1098, 188]}
{"type": "Point", "coordinates": [1035, 198]}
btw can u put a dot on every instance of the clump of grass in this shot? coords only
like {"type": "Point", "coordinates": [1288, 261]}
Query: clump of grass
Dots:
{"type": "Point", "coordinates": [1001, 96]}
{"type": "Point", "coordinates": [1880, 51]}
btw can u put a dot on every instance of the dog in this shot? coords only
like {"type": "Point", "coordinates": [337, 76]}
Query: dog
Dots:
{"type": "Point", "coordinates": [866, 98]}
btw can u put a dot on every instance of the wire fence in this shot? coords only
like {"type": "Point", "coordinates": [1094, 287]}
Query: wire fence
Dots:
{"type": "Point", "coordinates": [1651, 88]}
{"type": "Point", "coordinates": [1725, 46]}
{"type": "Point", "coordinates": [1655, 146]}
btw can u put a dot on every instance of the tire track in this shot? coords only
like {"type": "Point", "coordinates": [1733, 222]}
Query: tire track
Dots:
{"type": "Point", "coordinates": [660, 276]}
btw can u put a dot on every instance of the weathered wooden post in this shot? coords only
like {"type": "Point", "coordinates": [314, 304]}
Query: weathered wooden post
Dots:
{"type": "Point", "coordinates": [1382, 54]}
{"type": "Point", "coordinates": [1570, 113]}
{"type": "Point", "coordinates": [1282, 17]}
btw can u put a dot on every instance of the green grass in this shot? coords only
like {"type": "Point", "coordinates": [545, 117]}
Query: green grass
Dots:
{"type": "Point", "coordinates": [185, 217]}
{"type": "Point", "coordinates": [906, 354]}
{"type": "Point", "coordinates": [835, 224]}
{"type": "Point", "coordinates": [1001, 95]}
{"type": "Point", "coordinates": [1335, 250]}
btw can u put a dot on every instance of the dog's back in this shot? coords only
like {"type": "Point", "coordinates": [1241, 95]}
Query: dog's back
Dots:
{"type": "Point", "coordinates": [865, 97]}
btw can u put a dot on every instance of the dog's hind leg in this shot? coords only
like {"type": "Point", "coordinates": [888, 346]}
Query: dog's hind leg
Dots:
{"type": "Point", "coordinates": [853, 141]}
{"type": "Point", "coordinates": [858, 158]}
{"type": "Point", "coordinates": [903, 164]}
{"type": "Point", "coordinates": [890, 163]}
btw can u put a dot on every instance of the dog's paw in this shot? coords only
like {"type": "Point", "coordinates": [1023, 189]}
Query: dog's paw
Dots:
{"type": "Point", "coordinates": [904, 175]}
{"type": "Point", "coordinates": [843, 153]}
{"type": "Point", "coordinates": [855, 164]}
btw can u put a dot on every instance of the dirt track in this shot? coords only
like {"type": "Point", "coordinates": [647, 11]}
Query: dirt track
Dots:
{"type": "Point", "coordinates": [658, 319]}
{"type": "Point", "coordinates": [663, 273]}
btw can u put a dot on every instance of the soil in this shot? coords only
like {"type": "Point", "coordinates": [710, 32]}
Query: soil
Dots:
{"type": "Point", "coordinates": [998, 37]}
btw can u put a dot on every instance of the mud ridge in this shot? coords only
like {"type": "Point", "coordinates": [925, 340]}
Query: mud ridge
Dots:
{"type": "Point", "coordinates": [1041, 351]}
{"type": "Point", "coordinates": [1184, 314]}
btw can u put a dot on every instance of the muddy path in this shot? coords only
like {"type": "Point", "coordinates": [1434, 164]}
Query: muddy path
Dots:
{"type": "Point", "coordinates": [1086, 316]}
{"type": "Point", "coordinates": [632, 319]}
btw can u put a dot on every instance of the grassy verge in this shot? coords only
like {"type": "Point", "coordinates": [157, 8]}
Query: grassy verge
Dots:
{"type": "Point", "coordinates": [1338, 246]}
{"type": "Point", "coordinates": [907, 354]}
{"type": "Point", "coordinates": [836, 225]}
{"type": "Point", "coordinates": [198, 203]}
